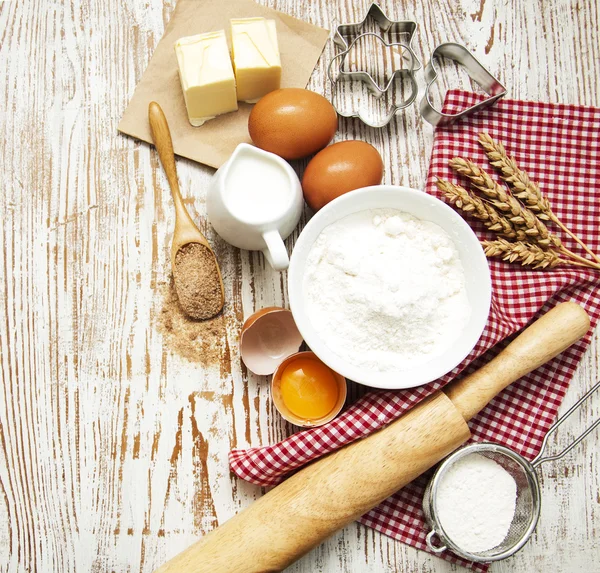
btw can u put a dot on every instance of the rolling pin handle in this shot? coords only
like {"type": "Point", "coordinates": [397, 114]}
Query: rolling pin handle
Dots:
{"type": "Point", "coordinates": [541, 341]}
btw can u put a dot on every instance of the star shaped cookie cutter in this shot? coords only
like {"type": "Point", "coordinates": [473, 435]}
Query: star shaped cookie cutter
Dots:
{"type": "Point", "coordinates": [480, 75]}
{"type": "Point", "coordinates": [405, 55]}
{"type": "Point", "coordinates": [396, 27]}
{"type": "Point", "coordinates": [403, 70]}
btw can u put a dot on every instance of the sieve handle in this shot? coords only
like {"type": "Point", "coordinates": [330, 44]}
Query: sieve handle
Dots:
{"type": "Point", "coordinates": [538, 343]}
{"type": "Point", "coordinates": [540, 459]}
{"type": "Point", "coordinates": [432, 546]}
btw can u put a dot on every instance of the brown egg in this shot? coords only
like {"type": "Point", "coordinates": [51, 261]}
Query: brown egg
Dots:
{"type": "Point", "coordinates": [292, 123]}
{"type": "Point", "coordinates": [340, 168]}
{"type": "Point", "coordinates": [268, 337]}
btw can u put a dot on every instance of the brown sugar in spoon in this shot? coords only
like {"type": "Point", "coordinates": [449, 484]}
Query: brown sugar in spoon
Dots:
{"type": "Point", "coordinates": [196, 272]}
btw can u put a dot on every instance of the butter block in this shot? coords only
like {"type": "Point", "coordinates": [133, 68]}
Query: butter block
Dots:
{"type": "Point", "coordinates": [255, 57]}
{"type": "Point", "coordinates": [206, 75]}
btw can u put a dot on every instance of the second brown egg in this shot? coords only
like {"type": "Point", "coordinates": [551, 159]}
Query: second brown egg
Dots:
{"type": "Point", "coordinates": [340, 168]}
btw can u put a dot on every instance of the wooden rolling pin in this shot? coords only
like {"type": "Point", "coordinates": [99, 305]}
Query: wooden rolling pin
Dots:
{"type": "Point", "coordinates": [304, 510]}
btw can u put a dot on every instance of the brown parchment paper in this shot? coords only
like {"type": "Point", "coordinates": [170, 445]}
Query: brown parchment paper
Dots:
{"type": "Point", "coordinates": [300, 45]}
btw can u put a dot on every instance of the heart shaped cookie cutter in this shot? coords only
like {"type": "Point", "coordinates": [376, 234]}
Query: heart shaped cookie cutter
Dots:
{"type": "Point", "coordinates": [480, 75]}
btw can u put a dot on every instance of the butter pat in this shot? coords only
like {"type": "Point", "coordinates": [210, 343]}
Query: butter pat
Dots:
{"type": "Point", "coordinates": [206, 76]}
{"type": "Point", "coordinates": [255, 57]}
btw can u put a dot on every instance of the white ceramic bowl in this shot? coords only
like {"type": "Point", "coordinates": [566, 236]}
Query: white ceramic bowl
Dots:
{"type": "Point", "coordinates": [422, 206]}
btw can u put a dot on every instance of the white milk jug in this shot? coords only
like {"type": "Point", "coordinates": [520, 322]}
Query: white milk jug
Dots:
{"type": "Point", "coordinates": [255, 201]}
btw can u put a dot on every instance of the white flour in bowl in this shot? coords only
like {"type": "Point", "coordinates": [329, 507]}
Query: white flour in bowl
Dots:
{"type": "Point", "coordinates": [386, 291]}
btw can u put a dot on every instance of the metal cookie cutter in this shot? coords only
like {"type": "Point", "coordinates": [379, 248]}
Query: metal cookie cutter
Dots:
{"type": "Point", "coordinates": [405, 53]}
{"type": "Point", "coordinates": [402, 68]}
{"type": "Point", "coordinates": [403, 28]}
{"type": "Point", "coordinates": [343, 81]}
{"type": "Point", "coordinates": [462, 56]}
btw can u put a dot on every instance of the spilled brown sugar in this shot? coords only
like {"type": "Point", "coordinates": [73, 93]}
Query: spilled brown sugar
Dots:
{"type": "Point", "coordinates": [201, 341]}
{"type": "Point", "coordinates": [197, 281]}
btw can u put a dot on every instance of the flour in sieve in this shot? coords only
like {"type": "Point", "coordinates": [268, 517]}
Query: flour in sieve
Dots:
{"type": "Point", "coordinates": [386, 291]}
{"type": "Point", "coordinates": [475, 503]}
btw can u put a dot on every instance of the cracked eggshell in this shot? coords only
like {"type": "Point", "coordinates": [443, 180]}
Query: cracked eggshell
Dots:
{"type": "Point", "coordinates": [268, 337]}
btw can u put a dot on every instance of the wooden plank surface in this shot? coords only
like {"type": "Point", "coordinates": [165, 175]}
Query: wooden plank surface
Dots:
{"type": "Point", "coordinates": [113, 448]}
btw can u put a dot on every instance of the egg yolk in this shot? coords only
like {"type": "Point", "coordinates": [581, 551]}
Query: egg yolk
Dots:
{"type": "Point", "coordinates": [308, 388]}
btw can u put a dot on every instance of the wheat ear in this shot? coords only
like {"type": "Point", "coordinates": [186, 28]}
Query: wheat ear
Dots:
{"type": "Point", "coordinates": [500, 198]}
{"type": "Point", "coordinates": [528, 254]}
{"type": "Point", "coordinates": [518, 214]}
{"type": "Point", "coordinates": [523, 187]}
{"type": "Point", "coordinates": [473, 205]}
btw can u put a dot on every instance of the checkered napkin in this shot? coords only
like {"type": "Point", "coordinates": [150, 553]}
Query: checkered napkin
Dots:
{"type": "Point", "coordinates": [559, 146]}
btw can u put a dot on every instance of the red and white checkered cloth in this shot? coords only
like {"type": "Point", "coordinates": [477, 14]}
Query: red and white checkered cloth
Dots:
{"type": "Point", "coordinates": [559, 146]}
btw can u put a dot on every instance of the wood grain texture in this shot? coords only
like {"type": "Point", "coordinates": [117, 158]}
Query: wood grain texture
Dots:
{"type": "Point", "coordinates": [328, 494]}
{"type": "Point", "coordinates": [113, 449]}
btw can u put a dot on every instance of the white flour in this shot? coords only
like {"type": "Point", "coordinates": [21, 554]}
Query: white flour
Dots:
{"type": "Point", "coordinates": [386, 291]}
{"type": "Point", "coordinates": [476, 503]}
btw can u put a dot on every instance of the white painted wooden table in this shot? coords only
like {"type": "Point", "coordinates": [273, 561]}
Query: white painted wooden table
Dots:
{"type": "Point", "coordinates": [113, 450]}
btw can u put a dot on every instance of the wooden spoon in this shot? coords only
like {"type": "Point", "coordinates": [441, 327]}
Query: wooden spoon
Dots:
{"type": "Point", "coordinates": [186, 231]}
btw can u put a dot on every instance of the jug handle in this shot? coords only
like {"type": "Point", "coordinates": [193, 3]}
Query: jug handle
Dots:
{"type": "Point", "coordinates": [275, 253]}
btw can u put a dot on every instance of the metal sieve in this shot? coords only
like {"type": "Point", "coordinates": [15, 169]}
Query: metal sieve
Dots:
{"type": "Point", "coordinates": [528, 502]}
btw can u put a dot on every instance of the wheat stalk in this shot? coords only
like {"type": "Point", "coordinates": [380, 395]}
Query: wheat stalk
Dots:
{"type": "Point", "coordinates": [497, 214]}
{"type": "Point", "coordinates": [518, 214]}
{"type": "Point", "coordinates": [523, 187]}
{"type": "Point", "coordinates": [521, 217]}
{"type": "Point", "coordinates": [527, 254]}
{"type": "Point", "coordinates": [479, 209]}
